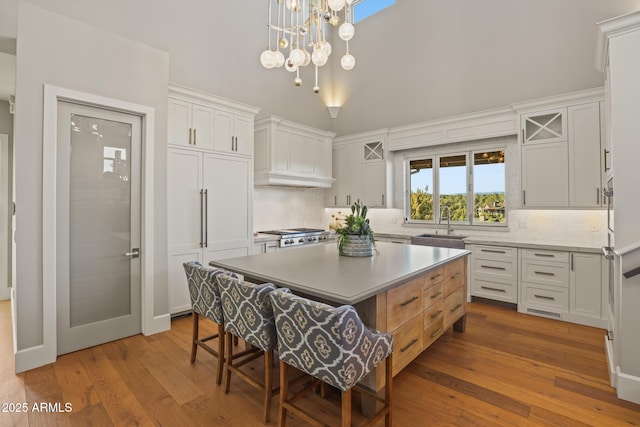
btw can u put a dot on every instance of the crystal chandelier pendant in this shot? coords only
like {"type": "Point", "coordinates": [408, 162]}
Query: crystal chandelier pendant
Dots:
{"type": "Point", "coordinates": [299, 28]}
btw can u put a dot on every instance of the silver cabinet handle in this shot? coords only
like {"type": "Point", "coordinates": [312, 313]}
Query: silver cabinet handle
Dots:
{"type": "Point", "coordinates": [493, 251]}
{"type": "Point", "coordinates": [232, 141]}
{"type": "Point", "coordinates": [436, 295]}
{"type": "Point", "coordinates": [544, 255]}
{"type": "Point", "coordinates": [408, 346]}
{"type": "Point", "coordinates": [206, 219]}
{"type": "Point", "coordinates": [545, 297]}
{"type": "Point", "coordinates": [135, 253]}
{"type": "Point", "coordinates": [606, 167]}
{"type": "Point", "coordinates": [631, 273]}
{"type": "Point", "coordinates": [493, 289]}
{"type": "Point", "coordinates": [456, 307]}
{"type": "Point", "coordinates": [436, 314]}
{"type": "Point", "coordinates": [598, 195]}
{"type": "Point", "coordinates": [383, 200]}
{"type": "Point", "coordinates": [195, 136]}
{"type": "Point", "coordinates": [409, 301]}
{"type": "Point", "coordinates": [544, 273]}
{"type": "Point", "coordinates": [524, 197]}
{"type": "Point", "coordinates": [491, 267]}
{"type": "Point", "coordinates": [190, 134]}
{"type": "Point", "coordinates": [202, 218]}
{"type": "Point", "coordinates": [436, 332]}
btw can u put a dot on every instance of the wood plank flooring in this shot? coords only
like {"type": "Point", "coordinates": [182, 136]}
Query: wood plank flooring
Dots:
{"type": "Point", "coordinates": [507, 369]}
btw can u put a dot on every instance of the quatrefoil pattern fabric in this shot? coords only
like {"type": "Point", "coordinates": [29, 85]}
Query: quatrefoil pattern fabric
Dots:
{"type": "Point", "coordinates": [203, 290]}
{"type": "Point", "coordinates": [247, 311]}
{"type": "Point", "coordinates": [329, 343]}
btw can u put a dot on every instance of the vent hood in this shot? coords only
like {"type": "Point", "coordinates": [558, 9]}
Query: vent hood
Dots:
{"type": "Point", "coordinates": [291, 154]}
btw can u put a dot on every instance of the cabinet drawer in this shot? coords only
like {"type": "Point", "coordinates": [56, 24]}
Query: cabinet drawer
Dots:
{"type": "Point", "coordinates": [433, 277]}
{"type": "Point", "coordinates": [454, 275]}
{"type": "Point", "coordinates": [494, 290]}
{"type": "Point", "coordinates": [433, 294]}
{"type": "Point", "coordinates": [407, 343]}
{"type": "Point", "coordinates": [433, 331]}
{"type": "Point", "coordinates": [495, 252]}
{"type": "Point", "coordinates": [545, 273]}
{"type": "Point", "coordinates": [547, 298]}
{"type": "Point", "coordinates": [454, 307]}
{"type": "Point", "coordinates": [433, 314]}
{"type": "Point", "coordinates": [494, 270]}
{"type": "Point", "coordinates": [542, 255]}
{"type": "Point", "coordinates": [404, 302]}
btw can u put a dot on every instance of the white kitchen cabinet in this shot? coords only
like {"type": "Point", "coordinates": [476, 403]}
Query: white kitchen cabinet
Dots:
{"type": "Point", "coordinates": [233, 132]}
{"type": "Point", "coordinates": [207, 122]}
{"type": "Point", "coordinates": [545, 178]}
{"type": "Point", "coordinates": [584, 156]}
{"type": "Point", "coordinates": [544, 126]}
{"type": "Point", "coordinates": [561, 153]}
{"type": "Point", "coordinates": [208, 213]}
{"type": "Point", "coordinates": [190, 124]}
{"type": "Point", "coordinates": [360, 168]}
{"type": "Point", "coordinates": [288, 153]}
{"type": "Point", "coordinates": [585, 286]}
{"type": "Point", "coordinates": [494, 273]}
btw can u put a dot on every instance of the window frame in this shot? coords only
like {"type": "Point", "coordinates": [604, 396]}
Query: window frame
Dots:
{"type": "Point", "coordinates": [435, 156]}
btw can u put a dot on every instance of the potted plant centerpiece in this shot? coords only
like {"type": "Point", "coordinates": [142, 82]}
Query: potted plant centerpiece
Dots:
{"type": "Point", "coordinates": [355, 236]}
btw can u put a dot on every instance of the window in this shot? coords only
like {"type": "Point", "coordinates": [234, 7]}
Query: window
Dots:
{"type": "Point", "coordinates": [470, 185]}
{"type": "Point", "coordinates": [365, 8]}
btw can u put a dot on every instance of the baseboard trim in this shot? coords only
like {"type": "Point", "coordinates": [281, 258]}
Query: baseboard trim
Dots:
{"type": "Point", "coordinates": [628, 387]}
{"type": "Point", "coordinates": [33, 357]}
{"type": "Point", "coordinates": [159, 324]}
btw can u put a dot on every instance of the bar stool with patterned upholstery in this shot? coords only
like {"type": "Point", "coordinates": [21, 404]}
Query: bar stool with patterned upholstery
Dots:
{"type": "Point", "coordinates": [205, 301]}
{"type": "Point", "coordinates": [332, 345]}
{"type": "Point", "coordinates": [248, 315]}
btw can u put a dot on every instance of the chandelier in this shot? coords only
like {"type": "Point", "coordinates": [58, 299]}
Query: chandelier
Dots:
{"type": "Point", "coordinates": [298, 29]}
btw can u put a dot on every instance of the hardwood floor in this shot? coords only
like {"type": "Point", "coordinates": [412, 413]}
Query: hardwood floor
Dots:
{"type": "Point", "coordinates": [507, 369]}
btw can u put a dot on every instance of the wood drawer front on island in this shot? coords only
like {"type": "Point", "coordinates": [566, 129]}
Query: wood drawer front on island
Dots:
{"type": "Point", "coordinates": [433, 331]}
{"type": "Point", "coordinates": [433, 277]}
{"type": "Point", "coordinates": [407, 343]}
{"type": "Point", "coordinates": [433, 294]}
{"type": "Point", "coordinates": [403, 303]}
{"type": "Point", "coordinates": [454, 307]}
{"type": "Point", "coordinates": [455, 276]}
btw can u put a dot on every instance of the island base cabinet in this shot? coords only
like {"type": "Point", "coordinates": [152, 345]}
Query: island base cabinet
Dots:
{"type": "Point", "coordinates": [407, 343]}
{"type": "Point", "coordinates": [454, 307]}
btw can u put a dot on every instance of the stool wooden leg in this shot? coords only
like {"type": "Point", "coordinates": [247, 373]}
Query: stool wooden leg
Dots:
{"type": "Point", "coordinates": [194, 346]}
{"type": "Point", "coordinates": [268, 384]}
{"type": "Point", "coordinates": [346, 408]}
{"type": "Point", "coordinates": [228, 361]}
{"type": "Point", "coordinates": [387, 390]}
{"type": "Point", "coordinates": [221, 356]}
{"type": "Point", "coordinates": [284, 391]}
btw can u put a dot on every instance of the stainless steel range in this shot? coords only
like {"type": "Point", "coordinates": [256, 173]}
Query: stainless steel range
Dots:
{"type": "Point", "coordinates": [291, 237]}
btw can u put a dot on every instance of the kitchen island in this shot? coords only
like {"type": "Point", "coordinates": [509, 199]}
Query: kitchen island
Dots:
{"type": "Point", "coordinates": [414, 292]}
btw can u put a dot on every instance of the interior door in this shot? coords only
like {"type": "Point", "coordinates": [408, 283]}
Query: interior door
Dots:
{"type": "Point", "coordinates": [97, 226]}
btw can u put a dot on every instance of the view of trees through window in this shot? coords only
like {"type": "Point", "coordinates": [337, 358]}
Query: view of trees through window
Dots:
{"type": "Point", "coordinates": [487, 192]}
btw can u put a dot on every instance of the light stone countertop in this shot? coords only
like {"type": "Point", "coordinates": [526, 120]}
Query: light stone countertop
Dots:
{"type": "Point", "coordinates": [319, 271]}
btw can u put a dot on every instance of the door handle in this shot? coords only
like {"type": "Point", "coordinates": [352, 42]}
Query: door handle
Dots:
{"type": "Point", "coordinates": [135, 253]}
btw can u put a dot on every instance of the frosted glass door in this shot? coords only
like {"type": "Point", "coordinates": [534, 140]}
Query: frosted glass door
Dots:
{"type": "Point", "coordinates": [98, 226]}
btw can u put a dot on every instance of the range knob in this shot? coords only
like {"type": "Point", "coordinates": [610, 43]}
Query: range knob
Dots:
{"type": "Point", "coordinates": [300, 240]}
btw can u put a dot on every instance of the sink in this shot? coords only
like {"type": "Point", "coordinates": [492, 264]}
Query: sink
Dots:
{"type": "Point", "coordinates": [440, 240]}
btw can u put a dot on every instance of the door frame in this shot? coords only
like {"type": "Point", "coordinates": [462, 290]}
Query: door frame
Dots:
{"type": "Point", "coordinates": [150, 323]}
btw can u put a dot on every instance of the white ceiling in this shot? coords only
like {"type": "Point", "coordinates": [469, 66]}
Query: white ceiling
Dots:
{"type": "Point", "coordinates": [7, 75]}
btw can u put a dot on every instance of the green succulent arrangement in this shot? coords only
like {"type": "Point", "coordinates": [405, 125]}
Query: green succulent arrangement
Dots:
{"type": "Point", "coordinates": [355, 224]}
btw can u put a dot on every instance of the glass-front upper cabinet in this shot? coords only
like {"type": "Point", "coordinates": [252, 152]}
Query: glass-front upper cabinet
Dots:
{"type": "Point", "coordinates": [544, 126]}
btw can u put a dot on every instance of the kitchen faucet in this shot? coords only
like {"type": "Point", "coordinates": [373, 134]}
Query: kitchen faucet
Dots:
{"type": "Point", "coordinates": [446, 208]}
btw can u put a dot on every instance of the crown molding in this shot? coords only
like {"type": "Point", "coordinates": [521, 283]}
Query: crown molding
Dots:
{"type": "Point", "coordinates": [196, 95]}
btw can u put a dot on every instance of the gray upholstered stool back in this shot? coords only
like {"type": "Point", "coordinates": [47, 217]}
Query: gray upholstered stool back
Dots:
{"type": "Point", "coordinates": [329, 343]}
{"type": "Point", "coordinates": [203, 290]}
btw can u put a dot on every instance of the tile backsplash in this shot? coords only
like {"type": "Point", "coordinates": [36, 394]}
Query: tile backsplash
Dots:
{"type": "Point", "coordinates": [287, 207]}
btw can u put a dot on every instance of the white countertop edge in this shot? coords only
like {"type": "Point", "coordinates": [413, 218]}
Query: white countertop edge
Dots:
{"type": "Point", "coordinates": [532, 244]}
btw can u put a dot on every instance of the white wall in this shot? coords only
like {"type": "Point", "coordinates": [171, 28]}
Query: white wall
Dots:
{"type": "Point", "coordinates": [59, 51]}
{"type": "Point", "coordinates": [416, 61]}
{"type": "Point", "coordinates": [6, 127]}
{"type": "Point", "coordinates": [426, 59]}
